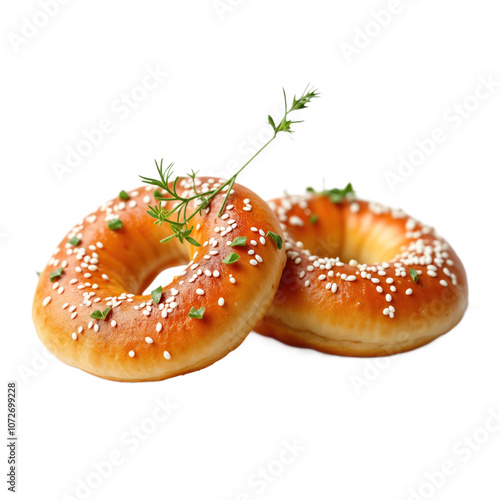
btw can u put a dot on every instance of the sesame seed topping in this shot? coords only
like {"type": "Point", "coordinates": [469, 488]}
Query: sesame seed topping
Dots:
{"type": "Point", "coordinates": [443, 283]}
{"type": "Point", "coordinates": [199, 291]}
{"type": "Point", "coordinates": [149, 340]}
{"type": "Point", "coordinates": [46, 301]}
{"type": "Point", "coordinates": [388, 297]}
{"type": "Point", "coordinates": [166, 355]}
{"type": "Point", "coordinates": [221, 301]}
{"type": "Point", "coordinates": [131, 354]}
{"type": "Point", "coordinates": [334, 287]}
{"type": "Point", "coordinates": [253, 262]}
{"type": "Point", "coordinates": [409, 291]}
{"type": "Point", "coordinates": [262, 240]}
{"type": "Point", "coordinates": [74, 336]}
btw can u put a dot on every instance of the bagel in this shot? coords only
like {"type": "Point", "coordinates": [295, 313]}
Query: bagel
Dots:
{"type": "Point", "coordinates": [89, 308]}
{"type": "Point", "coordinates": [362, 279]}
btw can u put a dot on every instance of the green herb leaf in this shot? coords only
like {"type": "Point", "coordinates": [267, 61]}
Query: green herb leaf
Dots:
{"type": "Point", "coordinates": [314, 219]}
{"type": "Point", "coordinates": [156, 294]}
{"type": "Point", "coordinates": [192, 241]}
{"type": "Point", "coordinates": [231, 258]}
{"type": "Point", "coordinates": [115, 224]}
{"type": "Point", "coordinates": [178, 217]}
{"type": "Point", "coordinates": [124, 195]}
{"type": "Point", "coordinates": [414, 274]}
{"type": "Point", "coordinates": [158, 194]}
{"type": "Point", "coordinates": [196, 313]}
{"type": "Point", "coordinates": [56, 274]}
{"type": "Point", "coordinates": [239, 241]}
{"type": "Point", "coordinates": [100, 315]}
{"type": "Point", "coordinates": [74, 241]}
{"type": "Point", "coordinates": [38, 273]}
{"type": "Point", "coordinates": [278, 240]}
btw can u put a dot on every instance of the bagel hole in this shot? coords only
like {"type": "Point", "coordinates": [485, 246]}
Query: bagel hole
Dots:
{"type": "Point", "coordinates": [164, 278]}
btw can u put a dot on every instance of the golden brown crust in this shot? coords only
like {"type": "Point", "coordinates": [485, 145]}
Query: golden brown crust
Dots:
{"type": "Point", "coordinates": [130, 258]}
{"type": "Point", "coordinates": [382, 310]}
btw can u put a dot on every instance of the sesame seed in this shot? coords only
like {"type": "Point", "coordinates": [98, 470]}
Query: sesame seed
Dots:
{"type": "Point", "coordinates": [351, 277]}
{"type": "Point", "coordinates": [254, 229]}
{"type": "Point", "coordinates": [113, 323]}
{"type": "Point", "coordinates": [159, 327]}
{"type": "Point", "coordinates": [393, 288]}
{"type": "Point", "coordinates": [105, 277]}
{"type": "Point", "coordinates": [46, 301]}
{"type": "Point", "coordinates": [131, 354]}
{"type": "Point", "coordinates": [216, 273]}
{"type": "Point", "coordinates": [380, 289]}
{"type": "Point", "coordinates": [199, 291]}
{"type": "Point", "coordinates": [149, 340]}
{"type": "Point", "coordinates": [146, 312]}
{"type": "Point", "coordinates": [166, 355]}
{"type": "Point", "coordinates": [253, 262]}
{"type": "Point", "coordinates": [74, 336]}
{"type": "Point", "coordinates": [99, 245]}
{"type": "Point", "coordinates": [262, 240]}
{"type": "Point", "coordinates": [92, 267]}
{"type": "Point", "coordinates": [388, 297]}
{"type": "Point", "coordinates": [253, 242]}
{"type": "Point", "coordinates": [353, 262]}
{"type": "Point", "coordinates": [307, 283]}
{"type": "Point", "coordinates": [146, 199]}
{"type": "Point", "coordinates": [232, 280]}
{"type": "Point", "coordinates": [74, 315]}
{"type": "Point", "coordinates": [247, 209]}
{"type": "Point", "coordinates": [409, 291]}
{"type": "Point", "coordinates": [221, 301]}
{"type": "Point", "coordinates": [96, 327]}
{"type": "Point", "coordinates": [443, 283]}
{"type": "Point", "coordinates": [322, 277]}
{"type": "Point", "coordinates": [258, 257]}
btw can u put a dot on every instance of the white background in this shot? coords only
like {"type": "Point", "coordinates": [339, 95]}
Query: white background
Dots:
{"type": "Point", "coordinates": [364, 430]}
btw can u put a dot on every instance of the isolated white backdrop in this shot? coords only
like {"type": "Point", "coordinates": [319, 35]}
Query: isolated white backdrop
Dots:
{"type": "Point", "coordinates": [360, 429]}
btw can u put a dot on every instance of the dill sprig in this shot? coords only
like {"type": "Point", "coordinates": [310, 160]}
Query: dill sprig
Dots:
{"type": "Point", "coordinates": [177, 217]}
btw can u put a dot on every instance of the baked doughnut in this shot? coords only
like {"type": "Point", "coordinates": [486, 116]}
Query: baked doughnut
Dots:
{"type": "Point", "coordinates": [362, 279]}
{"type": "Point", "coordinates": [110, 258]}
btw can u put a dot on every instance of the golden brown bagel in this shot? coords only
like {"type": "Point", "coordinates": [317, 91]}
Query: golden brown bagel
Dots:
{"type": "Point", "coordinates": [359, 298]}
{"type": "Point", "coordinates": [140, 340]}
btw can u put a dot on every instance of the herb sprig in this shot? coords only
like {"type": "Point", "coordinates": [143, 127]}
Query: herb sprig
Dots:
{"type": "Point", "coordinates": [177, 217]}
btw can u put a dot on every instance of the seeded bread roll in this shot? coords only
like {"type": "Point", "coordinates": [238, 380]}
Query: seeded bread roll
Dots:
{"type": "Point", "coordinates": [362, 279]}
{"type": "Point", "coordinates": [104, 264]}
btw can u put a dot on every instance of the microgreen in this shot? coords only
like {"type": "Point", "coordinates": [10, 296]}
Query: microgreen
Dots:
{"type": "Point", "coordinates": [231, 258]}
{"type": "Point", "coordinates": [196, 313]}
{"type": "Point", "coordinates": [74, 241]}
{"type": "Point", "coordinates": [124, 195]}
{"type": "Point", "coordinates": [100, 315]}
{"type": "Point", "coordinates": [156, 294]}
{"type": "Point", "coordinates": [239, 241]}
{"type": "Point", "coordinates": [56, 274]}
{"type": "Point", "coordinates": [278, 240]}
{"type": "Point", "coordinates": [414, 274]}
{"type": "Point", "coordinates": [178, 217]}
{"type": "Point", "coordinates": [115, 224]}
